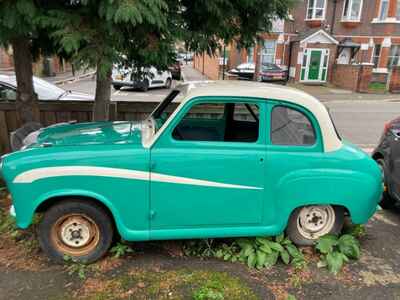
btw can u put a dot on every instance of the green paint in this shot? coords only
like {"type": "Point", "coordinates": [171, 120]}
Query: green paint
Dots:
{"type": "Point", "coordinates": [314, 65]}
{"type": "Point", "coordinates": [288, 177]}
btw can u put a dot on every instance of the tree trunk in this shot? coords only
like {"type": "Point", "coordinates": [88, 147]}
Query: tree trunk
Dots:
{"type": "Point", "coordinates": [101, 109]}
{"type": "Point", "coordinates": [26, 102]}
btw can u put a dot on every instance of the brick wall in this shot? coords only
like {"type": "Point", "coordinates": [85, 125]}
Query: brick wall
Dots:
{"type": "Point", "coordinates": [6, 61]}
{"type": "Point", "coordinates": [394, 86]}
{"type": "Point", "coordinates": [207, 65]}
{"type": "Point", "coordinates": [352, 77]}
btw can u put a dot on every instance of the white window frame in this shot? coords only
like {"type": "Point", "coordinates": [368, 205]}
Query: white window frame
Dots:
{"type": "Point", "coordinates": [314, 9]}
{"type": "Point", "coordinates": [347, 17]}
{"type": "Point", "coordinates": [398, 11]}
{"type": "Point", "coordinates": [269, 54]}
{"type": "Point", "coordinates": [373, 55]}
{"type": "Point", "coordinates": [392, 57]}
{"type": "Point", "coordinates": [380, 18]}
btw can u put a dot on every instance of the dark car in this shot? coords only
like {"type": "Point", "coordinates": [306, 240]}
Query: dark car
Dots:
{"type": "Point", "coordinates": [272, 73]}
{"type": "Point", "coordinates": [387, 155]}
{"type": "Point", "coordinates": [175, 70]}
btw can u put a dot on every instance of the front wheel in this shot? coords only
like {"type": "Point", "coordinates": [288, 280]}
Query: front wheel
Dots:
{"type": "Point", "coordinates": [308, 223]}
{"type": "Point", "coordinates": [387, 201]}
{"type": "Point", "coordinates": [77, 229]}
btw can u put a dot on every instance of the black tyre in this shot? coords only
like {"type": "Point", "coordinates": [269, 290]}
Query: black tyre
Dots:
{"type": "Point", "coordinates": [81, 230]}
{"type": "Point", "coordinates": [145, 86]}
{"type": "Point", "coordinates": [387, 201]}
{"type": "Point", "coordinates": [308, 223]}
{"type": "Point", "coordinates": [168, 83]}
{"type": "Point", "coordinates": [117, 87]}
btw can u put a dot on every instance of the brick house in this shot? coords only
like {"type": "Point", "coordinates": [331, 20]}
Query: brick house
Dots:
{"type": "Point", "coordinates": [43, 67]}
{"type": "Point", "coordinates": [337, 41]}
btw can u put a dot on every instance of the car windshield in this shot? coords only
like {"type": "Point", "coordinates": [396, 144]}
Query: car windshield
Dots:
{"type": "Point", "coordinates": [164, 110]}
{"type": "Point", "coordinates": [46, 90]}
{"type": "Point", "coordinates": [266, 67]}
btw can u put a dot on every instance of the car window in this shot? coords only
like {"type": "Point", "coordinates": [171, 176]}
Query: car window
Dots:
{"type": "Point", "coordinates": [246, 112]}
{"type": "Point", "coordinates": [219, 122]}
{"type": "Point", "coordinates": [291, 127]}
{"type": "Point", "coordinates": [7, 93]}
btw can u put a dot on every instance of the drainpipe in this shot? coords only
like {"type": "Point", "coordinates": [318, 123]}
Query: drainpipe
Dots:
{"type": "Point", "coordinates": [333, 16]}
{"type": "Point", "coordinates": [290, 61]}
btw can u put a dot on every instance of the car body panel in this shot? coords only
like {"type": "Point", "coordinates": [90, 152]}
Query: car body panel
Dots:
{"type": "Point", "coordinates": [155, 78]}
{"type": "Point", "coordinates": [45, 90]}
{"type": "Point", "coordinates": [388, 149]}
{"type": "Point", "coordinates": [192, 189]}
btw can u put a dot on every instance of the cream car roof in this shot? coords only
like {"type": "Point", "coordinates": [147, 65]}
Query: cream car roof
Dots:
{"type": "Point", "coordinates": [265, 91]}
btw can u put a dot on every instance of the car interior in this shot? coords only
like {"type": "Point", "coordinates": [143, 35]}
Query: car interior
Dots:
{"type": "Point", "coordinates": [239, 122]}
{"type": "Point", "coordinates": [229, 122]}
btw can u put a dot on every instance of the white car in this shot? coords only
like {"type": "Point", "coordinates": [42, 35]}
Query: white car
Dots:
{"type": "Point", "coordinates": [45, 90]}
{"type": "Point", "coordinates": [245, 70]}
{"type": "Point", "coordinates": [151, 78]}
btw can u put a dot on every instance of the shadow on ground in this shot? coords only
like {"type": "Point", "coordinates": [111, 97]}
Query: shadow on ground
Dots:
{"type": "Point", "coordinates": [151, 272]}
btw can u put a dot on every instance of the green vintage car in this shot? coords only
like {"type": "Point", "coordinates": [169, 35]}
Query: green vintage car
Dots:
{"type": "Point", "coordinates": [216, 159]}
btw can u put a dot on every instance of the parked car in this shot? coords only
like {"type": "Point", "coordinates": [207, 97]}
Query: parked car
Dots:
{"type": "Point", "coordinates": [150, 78]}
{"type": "Point", "coordinates": [44, 89]}
{"type": "Point", "coordinates": [272, 73]}
{"type": "Point", "coordinates": [176, 71]}
{"type": "Point", "coordinates": [387, 155]}
{"type": "Point", "coordinates": [218, 159]}
{"type": "Point", "coordinates": [244, 71]}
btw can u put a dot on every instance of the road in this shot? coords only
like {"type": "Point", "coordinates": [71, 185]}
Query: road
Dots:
{"type": "Point", "coordinates": [360, 122]}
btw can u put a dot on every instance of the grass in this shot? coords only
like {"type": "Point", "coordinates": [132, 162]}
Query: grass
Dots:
{"type": "Point", "coordinates": [172, 284]}
{"type": "Point", "coordinates": [377, 87]}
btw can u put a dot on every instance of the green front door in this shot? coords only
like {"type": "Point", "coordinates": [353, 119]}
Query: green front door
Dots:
{"type": "Point", "coordinates": [314, 67]}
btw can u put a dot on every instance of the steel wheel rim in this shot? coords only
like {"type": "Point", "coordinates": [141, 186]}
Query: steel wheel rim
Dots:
{"type": "Point", "coordinates": [75, 235]}
{"type": "Point", "coordinates": [315, 221]}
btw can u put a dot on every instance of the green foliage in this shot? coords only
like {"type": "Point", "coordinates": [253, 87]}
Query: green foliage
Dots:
{"type": "Point", "coordinates": [290, 297]}
{"type": "Point", "coordinates": [120, 250]}
{"type": "Point", "coordinates": [336, 251]}
{"type": "Point", "coordinates": [207, 293]}
{"type": "Point", "coordinates": [260, 252]}
{"type": "Point", "coordinates": [356, 230]}
{"type": "Point", "coordinates": [75, 267]}
{"type": "Point", "coordinates": [265, 252]}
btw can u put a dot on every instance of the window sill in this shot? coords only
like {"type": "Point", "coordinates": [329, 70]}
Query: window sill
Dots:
{"type": "Point", "coordinates": [385, 21]}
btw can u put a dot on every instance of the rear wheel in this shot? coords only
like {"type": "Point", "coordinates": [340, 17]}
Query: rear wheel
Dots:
{"type": "Point", "coordinates": [77, 229]}
{"type": "Point", "coordinates": [386, 201]}
{"type": "Point", "coordinates": [308, 223]}
{"type": "Point", "coordinates": [117, 87]}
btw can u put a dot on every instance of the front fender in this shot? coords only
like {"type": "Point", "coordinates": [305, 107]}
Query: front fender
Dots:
{"type": "Point", "coordinates": [358, 192]}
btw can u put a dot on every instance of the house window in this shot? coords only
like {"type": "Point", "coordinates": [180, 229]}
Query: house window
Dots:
{"type": "Point", "coordinates": [268, 52]}
{"type": "Point", "coordinates": [316, 9]}
{"type": "Point", "coordinates": [375, 55]}
{"type": "Point", "coordinates": [384, 9]}
{"type": "Point", "coordinates": [398, 10]}
{"type": "Point", "coordinates": [394, 56]}
{"type": "Point", "coordinates": [250, 55]}
{"type": "Point", "coordinates": [352, 10]}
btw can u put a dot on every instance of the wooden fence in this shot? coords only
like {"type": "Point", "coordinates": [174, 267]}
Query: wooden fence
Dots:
{"type": "Point", "coordinates": [56, 112]}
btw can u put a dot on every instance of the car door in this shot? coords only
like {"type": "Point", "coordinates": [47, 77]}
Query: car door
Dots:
{"type": "Point", "coordinates": [201, 180]}
{"type": "Point", "coordinates": [294, 145]}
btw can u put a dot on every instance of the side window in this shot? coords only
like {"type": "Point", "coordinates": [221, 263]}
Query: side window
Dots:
{"type": "Point", "coordinates": [291, 127]}
{"type": "Point", "coordinates": [219, 122]}
{"type": "Point", "coordinates": [246, 112]}
{"type": "Point", "coordinates": [7, 93]}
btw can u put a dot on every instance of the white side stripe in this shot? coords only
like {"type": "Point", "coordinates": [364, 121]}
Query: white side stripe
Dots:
{"type": "Point", "coordinates": [41, 173]}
